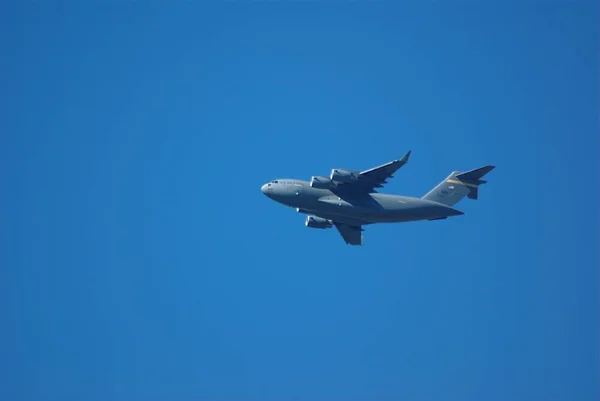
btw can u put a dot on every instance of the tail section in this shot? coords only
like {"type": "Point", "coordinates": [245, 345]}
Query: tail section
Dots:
{"type": "Point", "coordinates": [458, 185]}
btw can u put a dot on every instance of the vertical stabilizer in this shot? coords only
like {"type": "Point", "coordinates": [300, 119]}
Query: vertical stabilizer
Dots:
{"type": "Point", "coordinates": [458, 185]}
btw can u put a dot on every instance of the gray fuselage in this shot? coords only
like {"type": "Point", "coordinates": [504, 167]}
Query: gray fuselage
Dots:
{"type": "Point", "coordinates": [366, 209]}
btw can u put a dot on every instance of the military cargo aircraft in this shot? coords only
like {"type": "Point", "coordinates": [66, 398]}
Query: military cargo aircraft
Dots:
{"type": "Point", "coordinates": [349, 200]}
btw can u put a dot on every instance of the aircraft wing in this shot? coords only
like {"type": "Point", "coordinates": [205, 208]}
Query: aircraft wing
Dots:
{"type": "Point", "coordinates": [369, 180]}
{"type": "Point", "coordinates": [351, 234]}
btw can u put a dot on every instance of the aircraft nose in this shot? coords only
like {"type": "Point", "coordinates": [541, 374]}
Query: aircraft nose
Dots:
{"type": "Point", "coordinates": [263, 189]}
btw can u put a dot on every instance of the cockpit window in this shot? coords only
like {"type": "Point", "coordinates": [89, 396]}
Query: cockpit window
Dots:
{"type": "Point", "coordinates": [274, 182]}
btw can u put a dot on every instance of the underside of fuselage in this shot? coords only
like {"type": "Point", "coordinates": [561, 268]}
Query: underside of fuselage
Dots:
{"type": "Point", "coordinates": [409, 210]}
{"type": "Point", "coordinates": [350, 220]}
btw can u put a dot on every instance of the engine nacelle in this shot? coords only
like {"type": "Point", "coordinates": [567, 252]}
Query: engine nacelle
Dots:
{"type": "Point", "coordinates": [317, 222]}
{"type": "Point", "coordinates": [343, 176]}
{"type": "Point", "coordinates": [320, 182]}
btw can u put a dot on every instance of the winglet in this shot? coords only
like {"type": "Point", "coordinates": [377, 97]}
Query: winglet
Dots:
{"type": "Point", "coordinates": [405, 157]}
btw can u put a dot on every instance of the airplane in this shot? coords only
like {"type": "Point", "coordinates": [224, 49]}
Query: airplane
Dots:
{"type": "Point", "coordinates": [349, 200]}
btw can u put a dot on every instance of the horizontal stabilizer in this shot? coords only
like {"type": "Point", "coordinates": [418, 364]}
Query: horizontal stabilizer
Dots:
{"type": "Point", "coordinates": [473, 193]}
{"type": "Point", "coordinates": [474, 175]}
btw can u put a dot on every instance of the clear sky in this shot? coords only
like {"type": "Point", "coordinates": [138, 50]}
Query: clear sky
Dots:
{"type": "Point", "coordinates": [140, 261]}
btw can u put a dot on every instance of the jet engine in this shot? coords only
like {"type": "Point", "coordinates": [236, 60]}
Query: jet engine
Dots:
{"type": "Point", "coordinates": [317, 222]}
{"type": "Point", "coordinates": [320, 182]}
{"type": "Point", "coordinates": [343, 176]}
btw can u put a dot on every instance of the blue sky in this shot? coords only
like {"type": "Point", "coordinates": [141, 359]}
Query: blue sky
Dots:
{"type": "Point", "coordinates": [140, 261]}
